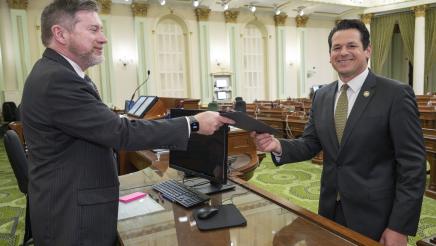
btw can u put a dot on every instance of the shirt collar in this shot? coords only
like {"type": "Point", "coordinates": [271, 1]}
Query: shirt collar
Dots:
{"type": "Point", "coordinates": [356, 83]}
{"type": "Point", "coordinates": [76, 67]}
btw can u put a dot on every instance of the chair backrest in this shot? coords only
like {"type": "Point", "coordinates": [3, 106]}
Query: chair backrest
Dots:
{"type": "Point", "coordinates": [240, 105]}
{"type": "Point", "coordinates": [9, 111]}
{"type": "Point", "coordinates": [17, 158]}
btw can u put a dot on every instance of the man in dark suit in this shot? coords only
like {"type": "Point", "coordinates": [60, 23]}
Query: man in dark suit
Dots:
{"type": "Point", "coordinates": [373, 176]}
{"type": "Point", "coordinates": [71, 134]}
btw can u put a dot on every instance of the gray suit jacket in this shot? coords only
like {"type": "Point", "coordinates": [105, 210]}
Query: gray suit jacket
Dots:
{"type": "Point", "coordinates": [71, 134]}
{"type": "Point", "coordinates": [379, 167]}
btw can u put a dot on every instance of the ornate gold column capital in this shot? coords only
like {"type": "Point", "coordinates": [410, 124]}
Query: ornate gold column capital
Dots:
{"type": "Point", "coordinates": [419, 10]}
{"type": "Point", "coordinates": [202, 14]}
{"type": "Point", "coordinates": [366, 18]}
{"type": "Point", "coordinates": [301, 20]}
{"type": "Point", "coordinates": [139, 9]}
{"type": "Point", "coordinates": [18, 4]}
{"type": "Point", "coordinates": [231, 16]}
{"type": "Point", "coordinates": [280, 20]}
{"type": "Point", "coordinates": [105, 6]}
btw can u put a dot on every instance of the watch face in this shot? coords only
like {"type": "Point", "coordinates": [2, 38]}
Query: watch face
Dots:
{"type": "Point", "coordinates": [195, 126]}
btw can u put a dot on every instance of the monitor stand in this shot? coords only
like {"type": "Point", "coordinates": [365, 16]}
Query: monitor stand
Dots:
{"type": "Point", "coordinates": [213, 188]}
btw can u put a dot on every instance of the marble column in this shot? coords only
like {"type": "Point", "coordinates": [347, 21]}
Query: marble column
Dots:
{"type": "Point", "coordinates": [2, 79]}
{"type": "Point", "coordinates": [104, 71]}
{"type": "Point", "coordinates": [301, 42]}
{"type": "Point", "coordinates": [231, 17]}
{"type": "Point", "coordinates": [366, 19]}
{"type": "Point", "coordinates": [20, 32]}
{"type": "Point", "coordinates": [139, 11]}
{"type": "Point", "coordinates": [280, 21]}
{"type": "Point", "coordinates": [203, 45]}
{"type": "Point", "coordinates": [419, 50]}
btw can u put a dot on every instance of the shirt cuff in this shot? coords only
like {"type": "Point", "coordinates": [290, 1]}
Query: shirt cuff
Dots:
{"type": "Point", "coordinates": [189, 125]}
{"type": "Point", "coordinates": [277, 156]}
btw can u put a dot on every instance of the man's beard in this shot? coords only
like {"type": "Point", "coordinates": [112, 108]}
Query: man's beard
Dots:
{"type": "Point", "coordinates": [88, 59]}
{"type": "Point", "coordinates": [91, 59]}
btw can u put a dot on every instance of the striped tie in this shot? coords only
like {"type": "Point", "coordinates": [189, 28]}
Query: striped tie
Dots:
{"type": "Point", "coordinates": [341, 112]}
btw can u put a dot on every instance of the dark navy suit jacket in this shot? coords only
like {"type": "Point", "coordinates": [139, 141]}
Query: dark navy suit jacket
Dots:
{"type": "Point", "coordinates": [379, 167]}
{"type": "Point", "coordinates": [71, 135]}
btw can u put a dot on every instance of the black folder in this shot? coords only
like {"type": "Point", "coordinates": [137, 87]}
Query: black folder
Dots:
{"type": "Point", "coordinates": [248, 123]}
{"type": "Point", "coordinates": [228, 216]}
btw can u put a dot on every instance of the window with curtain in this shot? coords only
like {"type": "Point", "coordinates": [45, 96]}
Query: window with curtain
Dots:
{"type": "Point", "coordinates": [171, 59]}
{"type": "Point", "coordinates": [253, 64]}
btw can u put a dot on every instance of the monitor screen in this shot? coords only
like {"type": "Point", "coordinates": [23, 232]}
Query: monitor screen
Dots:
{"type": "Point", "coordinates": [221, 95]}
{"type": "Point", "coordinates": [205, 156]}
{"type": "Point", "coordinates": [220, 83]}
{"type": "Point", "coordinates": [136, 105]}
{"type": "Point", "coordinates": [141, 107]}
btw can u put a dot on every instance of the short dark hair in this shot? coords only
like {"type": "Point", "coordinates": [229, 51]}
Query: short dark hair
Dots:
{"type": "Point", "coordinates": [351, 24]}
{"type": "Point", "coordinates": [63, 12]}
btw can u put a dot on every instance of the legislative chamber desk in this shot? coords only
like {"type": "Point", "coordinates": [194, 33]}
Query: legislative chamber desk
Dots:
{"type": "Point", "coordinates": [271, 220]}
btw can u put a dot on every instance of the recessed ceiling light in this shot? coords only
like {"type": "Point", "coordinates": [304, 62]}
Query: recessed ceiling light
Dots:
{"type": "Point", "coordinates": [277, 11]}
{"type": "Point", "coordinates": [226, 6]}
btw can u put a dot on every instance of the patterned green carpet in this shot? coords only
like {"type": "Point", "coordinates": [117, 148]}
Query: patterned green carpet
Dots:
{"type": "Point", "coordinates": [12, 204]}
{"type": "Point", "coordinates": [300, 183]}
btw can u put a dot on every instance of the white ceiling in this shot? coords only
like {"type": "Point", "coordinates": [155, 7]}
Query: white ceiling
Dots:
{"type": "Point", "coordinates": [332, 8]}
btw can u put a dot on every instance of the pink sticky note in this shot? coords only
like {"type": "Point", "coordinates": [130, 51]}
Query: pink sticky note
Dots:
{"type": "Point", "coordinates": [132, 197]}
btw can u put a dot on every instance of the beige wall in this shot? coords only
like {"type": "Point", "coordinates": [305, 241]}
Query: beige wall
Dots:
{"type": "Point", "coordinates": [123, 43]}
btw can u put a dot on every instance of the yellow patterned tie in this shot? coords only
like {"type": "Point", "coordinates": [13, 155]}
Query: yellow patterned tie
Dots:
{"type": "Point", "coordinates": [341, 112]}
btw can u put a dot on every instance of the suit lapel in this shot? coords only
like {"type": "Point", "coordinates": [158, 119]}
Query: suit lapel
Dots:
{"type": "Point", "coordinates": [330, 122]}
{"type": "Point", "coordinates": [366, 93]}
{"type": "Point", "coordinates": [53, 55]}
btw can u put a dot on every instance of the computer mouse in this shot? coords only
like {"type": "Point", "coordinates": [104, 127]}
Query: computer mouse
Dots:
{"type": "Point", "coordinates": [206, 212]}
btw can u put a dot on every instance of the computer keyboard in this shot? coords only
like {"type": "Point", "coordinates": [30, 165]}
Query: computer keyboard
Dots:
{"type": "Point", "coordinates": [180, 193]}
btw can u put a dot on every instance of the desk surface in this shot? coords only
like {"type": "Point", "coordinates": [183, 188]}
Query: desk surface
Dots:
{"type": "Point", "coordinates": [269, 221]}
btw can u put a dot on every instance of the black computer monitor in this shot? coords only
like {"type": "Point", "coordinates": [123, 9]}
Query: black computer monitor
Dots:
{"type": "Point", "coordinates": [205, 156]}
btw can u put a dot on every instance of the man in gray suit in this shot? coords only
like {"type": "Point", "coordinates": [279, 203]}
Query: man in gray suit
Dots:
{"type": "Point", "coordinates": [373, 176]}
{"type": "Point", "coordinates": [71, 134]}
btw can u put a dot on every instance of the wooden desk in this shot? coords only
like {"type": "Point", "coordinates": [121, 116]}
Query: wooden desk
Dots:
{"type": "Point", "coordinates": [270, 220]}
{"type": "Point", "coordinates": [427, 117]}
{"type": "Point", "coordinates": [430, 149]}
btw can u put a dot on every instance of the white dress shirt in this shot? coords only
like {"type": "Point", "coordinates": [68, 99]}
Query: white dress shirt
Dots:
{"type": "Point", "coordinates": [354, 87]}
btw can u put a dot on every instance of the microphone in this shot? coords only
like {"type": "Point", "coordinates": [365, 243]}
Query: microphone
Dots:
{"type": "Point", "coordinates": [139, 86]}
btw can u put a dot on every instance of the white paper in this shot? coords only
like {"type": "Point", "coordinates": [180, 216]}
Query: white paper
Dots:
{"type": "Point", "coordinates": [141, 206]}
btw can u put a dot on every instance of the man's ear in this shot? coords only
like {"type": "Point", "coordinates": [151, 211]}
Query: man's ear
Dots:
{"type": "Point", "coordinates": [60, 34]}
{"type": "Point", "coordinates": [368, 51]}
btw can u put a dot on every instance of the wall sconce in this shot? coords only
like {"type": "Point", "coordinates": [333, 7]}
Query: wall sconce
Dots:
{"type": "Point", "coordinates": [196, 3]}
{"type": "Point", "coordinates": [225, 6]}
{"type": "Point", "coordinates": [252, 8]}
{"type": "Point", "coordinates": [300, 10]}
{"type": "Point", "coordinates": [125, 61]}
{"type": "Point", "coordinates": [310, 73]}
{"type": "Point", "coordinates": [162, 2]}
